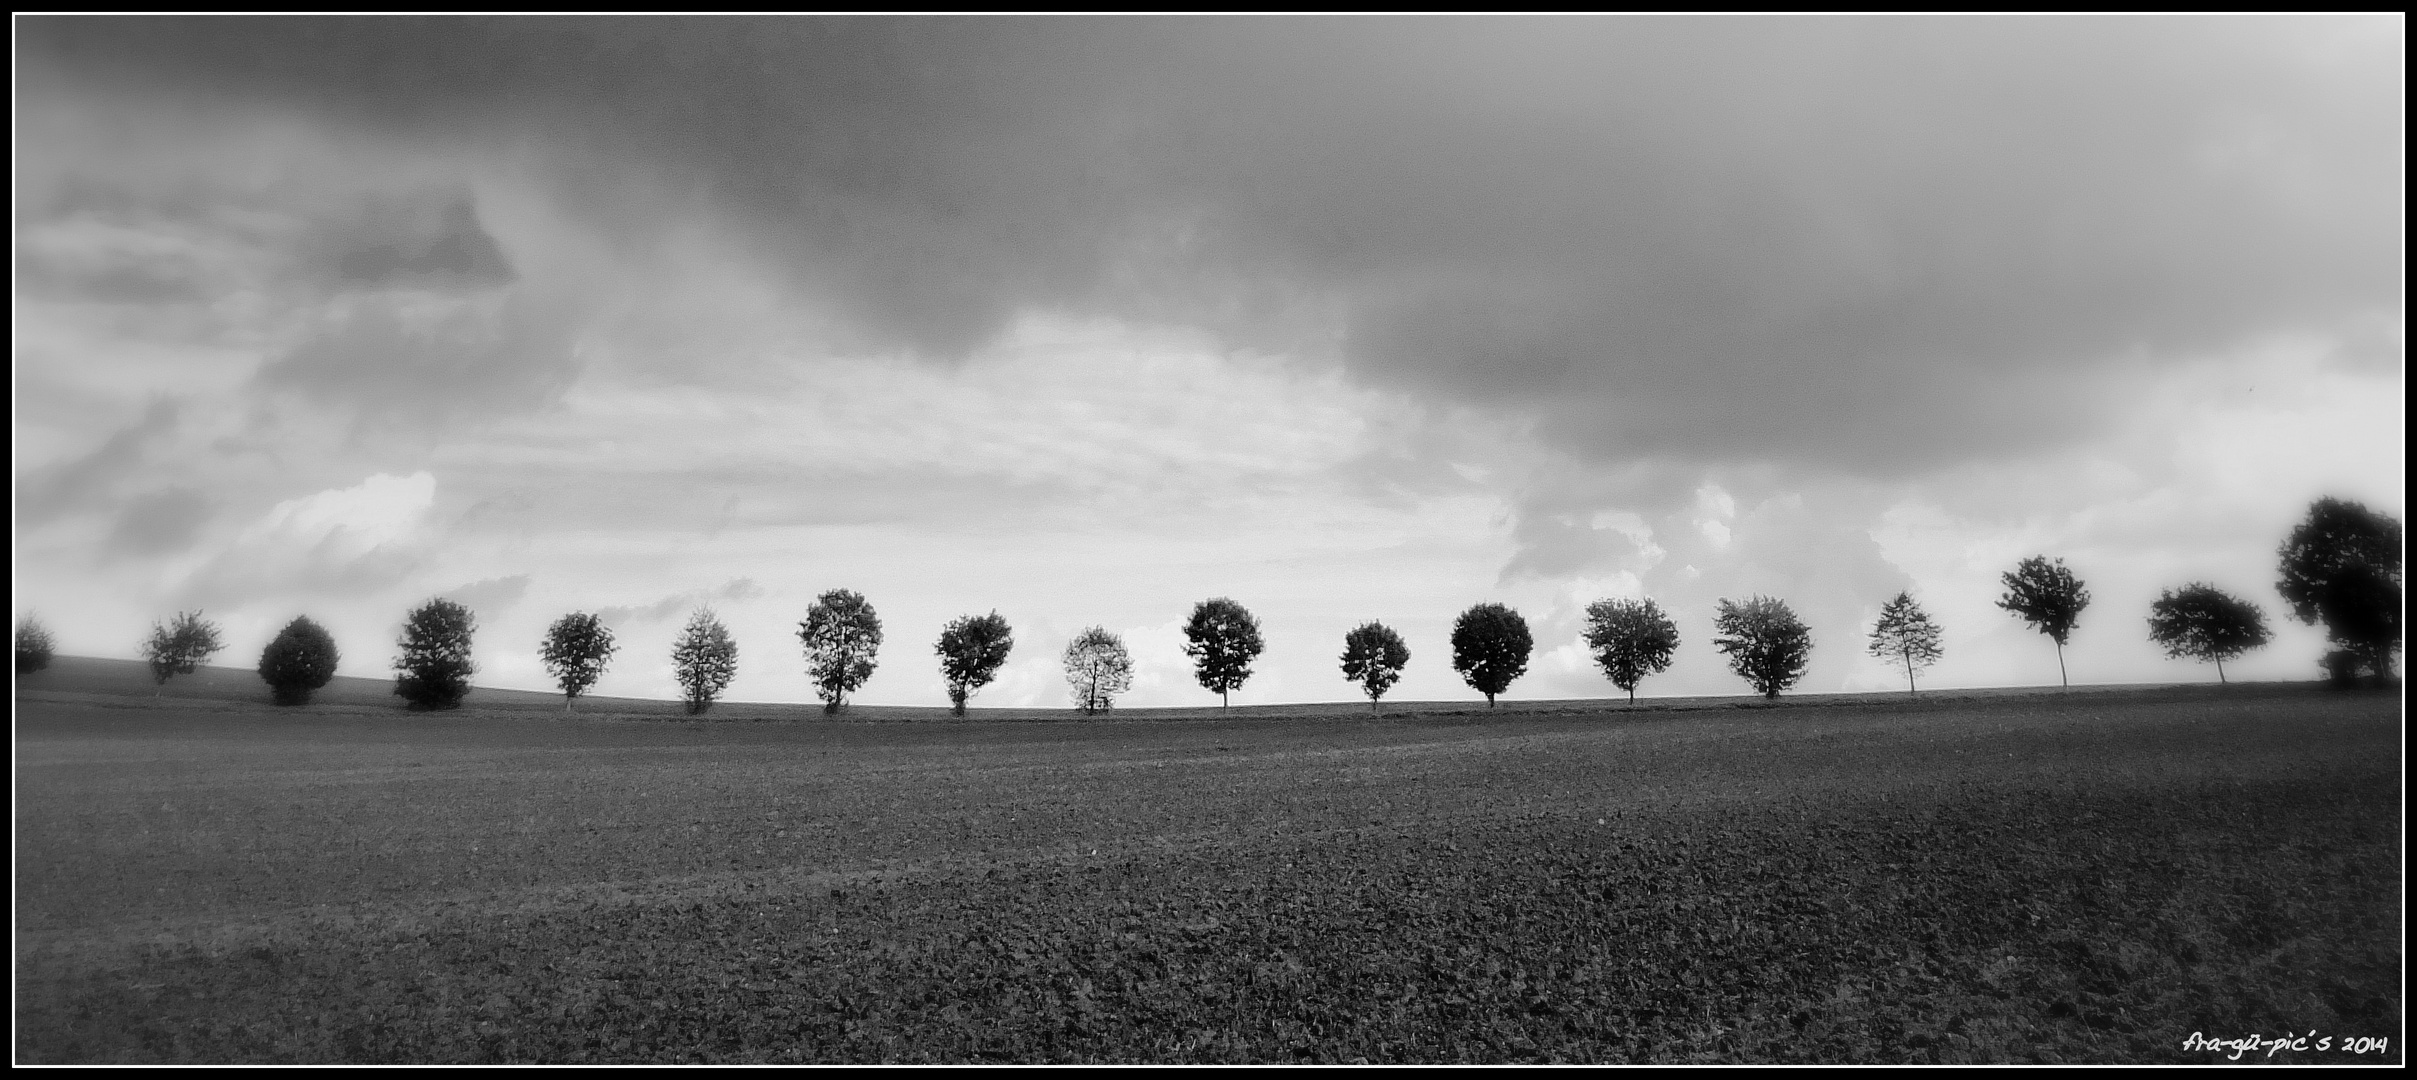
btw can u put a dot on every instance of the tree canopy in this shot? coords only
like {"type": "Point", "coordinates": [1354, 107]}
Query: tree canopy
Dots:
{"type": "Point", "coordinates": [1373, 656]}
{"type": "Point", "coordinates": [972, 648]}
{"type": "Point", "coordinates": [1765, 642]}
{"type": "Point", "coordinates": [2047, 595]}
{"type": "Point", "coordinates": [2203, 622]}
{"type": "Point", "coordinates": [1630, 639]}
{"type": "Point", "coordinates": [575, 650]}
{"type": "Point", "coordinates": [703, 660]}
{"type": "Point", "coordinates": [1490, 647]}
{"type": "Point", "coordinates": [1097, 669]}
{"type": "Point", "coordinates": [1222, 638]}
{"type": "Point", "coordinates": [841, 636]}
{"type": "Point", "coordinates": [434, 668]}
{"type": "Point", "coordinates": [2342, 566]}
{"type": "Point", "coordinates": [1906, 635]}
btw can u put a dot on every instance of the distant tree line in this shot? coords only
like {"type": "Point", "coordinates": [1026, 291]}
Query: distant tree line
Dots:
{"type": "Point", "coordinates": [2340, 567]}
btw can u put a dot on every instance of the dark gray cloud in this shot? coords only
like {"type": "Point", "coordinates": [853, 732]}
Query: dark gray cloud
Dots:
{"type": "Point", "coordinates": [151, 282]}
{"type": "Point", "coordinates": [736, 589]}
{"type": "Point", "coordinates": [93, 478]}
{"type": "Point", "coordinates": [402, 360]}
{"type": "Point", "coordinates": [161, 522]}
{"type": "Point", "coordinates": [1872, 244]}
{"type": "Point", "coordinates": [425, 239]}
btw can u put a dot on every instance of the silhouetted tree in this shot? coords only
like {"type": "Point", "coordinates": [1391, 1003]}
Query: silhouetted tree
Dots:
{"type": "Point", "coordinates": [2050, 598]}
{"type": "Point", "coordinates": [34, 645]}
{"type": "Point", "coordinates": [2205, 623]}
{"type": "Point", "coordinates": [1766, 643]}
{"type": "Point", "coordinates": [1906, 635]}
{"type": "Point", "coordinates": [703, 659]}
{"type": "Point", "coordinates": [841, 635]}
{"type": "Point", "coordinates": [434, 668]}
{"type": "Point", "coordinates": [575, 651]}
{"type": "Point", "coordinates": [2340, 667]}
{"type": "Point", "coordinates": [1631, 639]}
{"type": "Point", "coordinates": [1222, 638]}
{"type": "Point", "coordinates": [2342, 565]}
{"type": "Point", "coordinates": [1490, 646]}
{"type": "Point", "coordinates": [300, 659]}
{"type": "Point", "coordinates": [180, 646]}
{"type": "Point", "coordinates": [1373, 656]}
{"type": "Point", "coordinates": [1097, 669]}
{"type": "Point", "coordinates": [972, 647]}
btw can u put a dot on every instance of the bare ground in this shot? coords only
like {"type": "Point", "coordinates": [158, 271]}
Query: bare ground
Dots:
{"type": "Point", "coordinates": [2087, 876]}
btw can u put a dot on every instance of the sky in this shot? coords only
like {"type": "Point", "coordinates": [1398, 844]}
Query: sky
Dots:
{"type": "Point", "coordinates": [1087, 319]}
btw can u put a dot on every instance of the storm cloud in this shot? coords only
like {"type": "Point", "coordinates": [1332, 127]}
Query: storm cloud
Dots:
{"type": "Point", "coordinates": [1860, 242]}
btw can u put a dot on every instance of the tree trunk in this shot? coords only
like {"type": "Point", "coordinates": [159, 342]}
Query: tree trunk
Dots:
{"type": "Point", "coordinates": [1489, 701]}
{"type": "Point", "coordinates": [1632, 697]}
{"type": "Point", "coordinates": [1225, 700]}
{"type": "Point", "coordinates": [1909, 670]}
{"type": "Point", "coordinates": [2060, 666]}
{"type": "Point", "coordinates": [2220, 681]}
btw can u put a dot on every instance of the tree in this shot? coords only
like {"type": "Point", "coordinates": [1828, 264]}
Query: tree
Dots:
{"type": "Point", "coordinates": [34, 645]}
{"type": "Point", "coordinates": [1097, 669]}
{"type": "Point", "coordinates": [1373, 656]}
{"type": "Point", "coordinates": [2050, 598]}
{"type": "Point", "coordinates": [434, 668]}
{"type": "Point", "coordinates": [180, 646]}
{"type": "Point", "coordinates": [2342, 565]}
{"type": "Point", "coordinates": [575, 651]}
{"type": "Point", "coordinates": [972, 647]}
{"type": "Point", "coordinates": [1490, 644]}
{"type": "Point", "coordinates": [1631, 639]}
{"type": "Point", "coordinates": [1906, 635]}
{"type": "Point", "coordinates": [1766, 643]}
{"type": "Point", "coordinates": [1222, 639]}
{"type": "Point", "coordinates": [841, 634]}
{"type": "Point", "coordinates": [300, 659]}
{"type": "Point", "coordinates": [703, 659]}
{"type": "Point", "coordinates": [2205, 623]}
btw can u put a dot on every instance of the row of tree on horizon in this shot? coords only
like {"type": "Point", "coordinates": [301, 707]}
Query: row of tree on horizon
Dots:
{"type": "Point", "coordinates": [2340, 566]}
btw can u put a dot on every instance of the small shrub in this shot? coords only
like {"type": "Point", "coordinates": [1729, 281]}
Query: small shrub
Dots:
{"type": "Point", "coordinates": [180, 646]}
{"type": "Point", "coordinates": [34, 645]}
{"type": "Point", "coordinates": [300, 659]}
